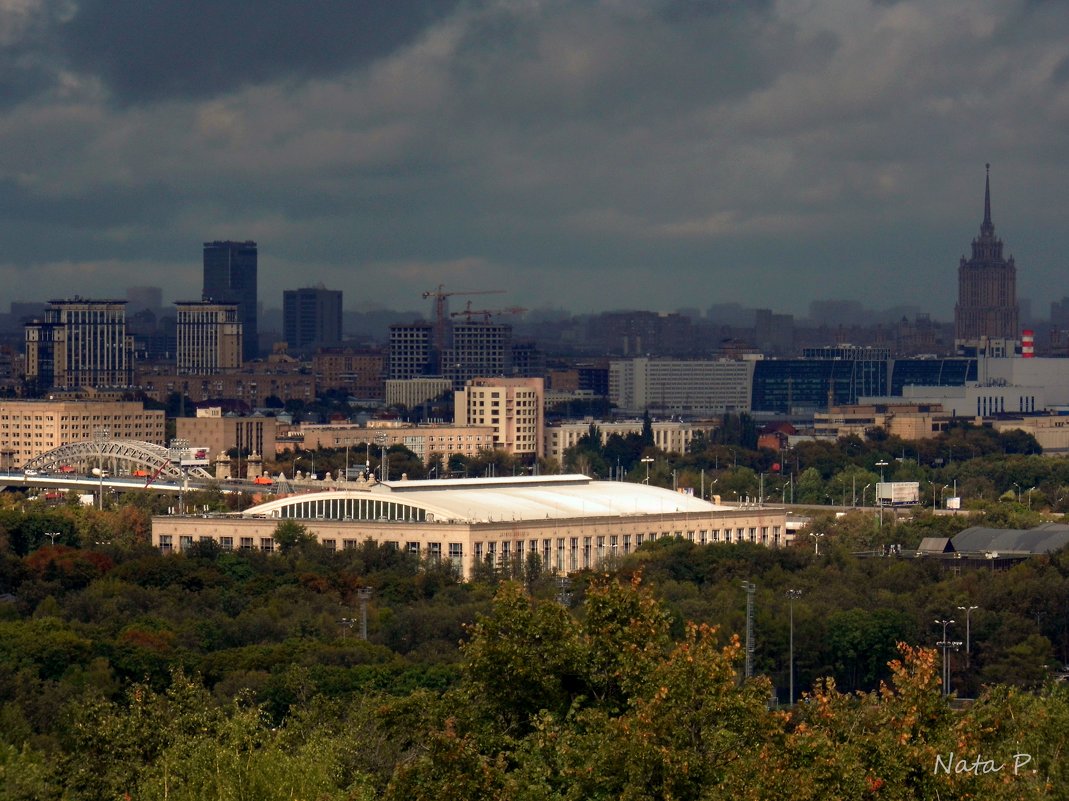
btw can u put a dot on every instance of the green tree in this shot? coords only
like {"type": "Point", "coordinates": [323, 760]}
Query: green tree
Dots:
{"type": "Point", "coordinates": [289, 535]}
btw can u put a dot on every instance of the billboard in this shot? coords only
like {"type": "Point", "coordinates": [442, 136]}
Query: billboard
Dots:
{"type": "Point", "coordinates": [898, 493]}
{"type": "Point", "coordinates": [193, 456]}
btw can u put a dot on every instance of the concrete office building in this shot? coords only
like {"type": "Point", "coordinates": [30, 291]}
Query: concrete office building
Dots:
{"type": "Point", "coordinates": [513, 407]}
{"type": "Point", "coordinates": [680, 387]}
{"type": "Point", "coordinates": [29, 428]}
{"type": "Point", "coordinates": [209, 337]}
{"type": "Point", "coordinates": [219, 433]}
{"type": "Point", "coordinates": [311, 317]}
{"type": "Point", "coordinates": [416, 391]}
{"type": "Point", "coordinates": [80, 343]}
{"type": "Point", "coordinates": [230, 277]}
{"type": "Point", "coordinates": [570, 522]}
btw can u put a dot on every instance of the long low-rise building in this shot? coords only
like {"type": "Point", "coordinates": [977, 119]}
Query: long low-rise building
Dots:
{"type": "Point", "coordinates": [571, 522]}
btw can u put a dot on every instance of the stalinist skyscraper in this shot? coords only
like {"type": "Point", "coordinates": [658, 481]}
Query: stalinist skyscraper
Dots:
{"type": "Point", "coordinates": [985, 317]}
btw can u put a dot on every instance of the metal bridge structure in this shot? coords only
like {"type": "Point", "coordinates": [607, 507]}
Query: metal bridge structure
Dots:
{"type": "Point", "coordinates": [117, 457]}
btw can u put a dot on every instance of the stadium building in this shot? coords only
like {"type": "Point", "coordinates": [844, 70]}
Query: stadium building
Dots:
{"type": "Point", "coordinates": [572, 522]}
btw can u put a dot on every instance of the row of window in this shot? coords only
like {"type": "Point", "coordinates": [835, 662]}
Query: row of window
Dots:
{"type": "Point", "coordinates": [595, 549]}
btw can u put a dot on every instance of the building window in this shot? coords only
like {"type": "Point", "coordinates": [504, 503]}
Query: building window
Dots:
{"type": "Point", "coordinates": [246, 543]}
{"type": "Point", "coordinates": [184, 543]}
{"type": "Point", "coordinates": [226, 543]}
{"type": "Point", "coordinates": [267, 544]}
{"type": "Point", "coordinates": [165, 543]}
{"type": "Point", "coordinates": [330, 545]}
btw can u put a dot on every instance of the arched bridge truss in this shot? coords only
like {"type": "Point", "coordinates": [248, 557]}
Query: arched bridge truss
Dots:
{"type": "Point", "coordinates": [117, 456]}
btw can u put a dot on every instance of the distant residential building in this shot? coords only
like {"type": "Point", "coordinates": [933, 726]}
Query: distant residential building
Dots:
{"type": "Point", "coordinates": [424, 440]}
{"type": "Point", "coordinates": [987, 310]}
{"type": "Point", "coordinates": [477, 349]}
{"type": "Point", "coordinates": [671, 436]}
{"type": "Point", "coordinates": [246, 388]}
{"type": "Point", "coordinates": [512, 406]}
{"type": "Point", "coordinates": [209, 337]}
{"type": "Point", "coordinates": [358, 372]}
{"type": "Point", "coordinates": [774, 333]}
{"type": "Point", "coordinates": [639, 333]}
{"type": "Point", "coordinates": [230, 277]}
{"type": "Point", "coordinates": [29, 428]}
{"type": "Point", "coordinates": [144, 298]}
{"type": "Point", "coordinates": [80, 343]}
{"type": "Point", "coordinates": [679, 386]}
{"type": "Point", "coordinates": [412, 351]}
{"type": "Point", "coordinates": [414, 392]}
{"type": "Point", "coordinates": [311, 317]}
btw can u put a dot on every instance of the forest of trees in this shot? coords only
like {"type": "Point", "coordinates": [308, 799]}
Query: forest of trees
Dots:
{"type": "Point", "coordinates": [217, 674]}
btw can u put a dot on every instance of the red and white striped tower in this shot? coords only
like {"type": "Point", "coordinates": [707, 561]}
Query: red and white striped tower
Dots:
{"type": "Point", "coordinates": [1028, 348]}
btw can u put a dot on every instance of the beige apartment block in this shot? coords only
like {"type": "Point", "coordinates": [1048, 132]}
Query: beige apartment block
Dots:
{"type": "Point", "coordinates": [670, 436]}
{"type": "Point", "coordinates": [906, 420]}
{"type": "Point", "coordinates": [358, 372]}
{"type": "Point", "coordinates": [423, 440]}
{"type": "Point", "coordinates": [29, 428]}
{"type": "Point", "coordinates": [219, 433]}
{"type": "Point", "coordinates": [250, 386]}
{"type": "Point", "coordinates": [512, 406]}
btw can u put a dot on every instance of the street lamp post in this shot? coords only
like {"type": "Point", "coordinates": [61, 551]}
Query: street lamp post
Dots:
{"type": "Point", "coordinates": [1018, 491]}
{"type": "Point", "coordinates": [816, 535]}
{"type": "Point", "coordinates": [968, 633]}
{"type": "Point", "coordinates": [1029, 494]}
{"type": "Point", "coordinates": [792, 596]}
{"type": "Point", "coordinates": [646, 460]}
{"type": "Point", "coordinates": [945, 645]}
{"type": "Point", "coordinates": [384, 467]}
{"type": "Point", "coordinates": [879, 498]}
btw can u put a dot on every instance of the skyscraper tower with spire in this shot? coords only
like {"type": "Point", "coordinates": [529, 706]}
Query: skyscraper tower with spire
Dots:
{"type": "Point", "coordinates": [985, 317]}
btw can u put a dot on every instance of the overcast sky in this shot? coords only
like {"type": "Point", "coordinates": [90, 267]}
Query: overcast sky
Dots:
{"type": "Point", "coordinates": [588, 155]}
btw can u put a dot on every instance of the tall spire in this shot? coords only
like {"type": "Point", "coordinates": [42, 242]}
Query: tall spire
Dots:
{"type": "Point", "coordinates": [987, 227]}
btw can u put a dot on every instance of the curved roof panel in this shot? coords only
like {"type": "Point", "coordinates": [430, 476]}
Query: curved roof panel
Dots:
{"type": "Point", "coordinates": [516, 498]}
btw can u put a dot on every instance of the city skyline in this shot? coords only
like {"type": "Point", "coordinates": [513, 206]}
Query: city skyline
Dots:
{"type": "Point", "coordinates": [584, 156]}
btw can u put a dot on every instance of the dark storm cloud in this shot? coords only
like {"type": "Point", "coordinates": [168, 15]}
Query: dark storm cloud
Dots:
{"type": "Point", "coordinates": [148, 51]}
{"type": "Point", "coordinates": [581, 152]}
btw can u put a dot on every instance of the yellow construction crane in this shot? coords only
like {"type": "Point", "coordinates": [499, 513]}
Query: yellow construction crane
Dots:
{"type": "Point", "coordinates": [441, 316]}
{"type": "Point", "coordinates": [486, 314]}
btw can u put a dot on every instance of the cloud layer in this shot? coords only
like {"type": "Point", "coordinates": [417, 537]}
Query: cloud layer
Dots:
{"type": "Point", "coordinates": [622, 153]}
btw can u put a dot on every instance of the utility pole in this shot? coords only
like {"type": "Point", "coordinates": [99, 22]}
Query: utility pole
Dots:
{"type": "Point", "coordinates": [364, 593]}
{"type": "Point", "coordinates": [792, 596]}
{"type": "Point", "coordinates": [750, 588]}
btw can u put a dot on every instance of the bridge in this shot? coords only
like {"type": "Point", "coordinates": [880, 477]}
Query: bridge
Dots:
{"type": "Point", "coordinates": [116, 457]}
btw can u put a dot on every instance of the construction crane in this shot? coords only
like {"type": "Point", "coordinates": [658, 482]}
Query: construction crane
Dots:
{"type": "Point", "coordinates": [441, 318]}
{"type": "Point", "coordinates": [469, 312]}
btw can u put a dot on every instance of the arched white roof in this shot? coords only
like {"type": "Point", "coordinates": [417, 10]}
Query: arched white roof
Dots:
{"type": "Point", "coordinates": [512, 498]}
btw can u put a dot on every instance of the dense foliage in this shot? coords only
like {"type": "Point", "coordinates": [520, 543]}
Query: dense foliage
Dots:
{"type": "Point", "coordinates": [215, 674]}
